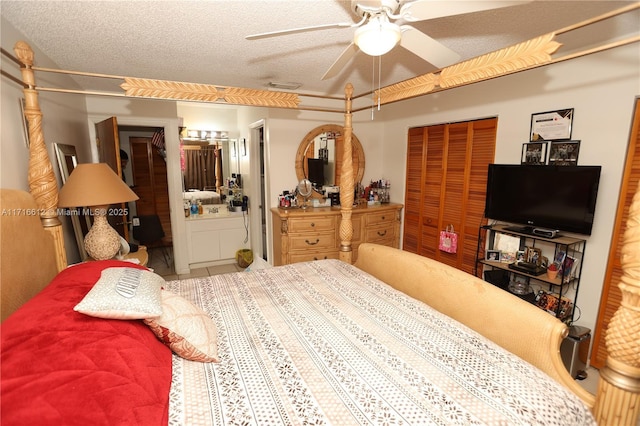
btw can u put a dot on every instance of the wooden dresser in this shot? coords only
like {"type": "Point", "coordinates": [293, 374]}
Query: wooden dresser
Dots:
{"type": "Point", "coordinates": [300, 235]}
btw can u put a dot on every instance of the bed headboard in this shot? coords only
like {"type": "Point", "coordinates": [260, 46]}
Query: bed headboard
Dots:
{"type": "Point", "coordinates": [28, 260]}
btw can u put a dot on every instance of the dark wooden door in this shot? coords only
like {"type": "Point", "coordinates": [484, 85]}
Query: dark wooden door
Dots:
{"type": "Point", "coordinates": [413, 197]}
{"type": "Point", "coordinates": [150, 182]}
{"type": "Point", "coordinates": [109, 152]}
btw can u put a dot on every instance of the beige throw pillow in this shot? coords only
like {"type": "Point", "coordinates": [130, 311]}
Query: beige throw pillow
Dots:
{"type": "Point", "coordinates": [186, 329]}
{"type": "Point", "coordinates": [124, 293]}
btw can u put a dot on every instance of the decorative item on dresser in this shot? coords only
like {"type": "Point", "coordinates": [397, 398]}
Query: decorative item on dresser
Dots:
{"type": "Point", "coordinates": [311, 234]}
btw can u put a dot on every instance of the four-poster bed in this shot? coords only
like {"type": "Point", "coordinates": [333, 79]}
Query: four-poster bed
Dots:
{"type": "Point", "coordinates": [460, 297]}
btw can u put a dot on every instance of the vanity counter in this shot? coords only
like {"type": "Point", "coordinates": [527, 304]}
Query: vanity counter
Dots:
{"type": "Point", "coordinates": [214, 238]}
{"type": "Point", "coordinates": [223, 213]}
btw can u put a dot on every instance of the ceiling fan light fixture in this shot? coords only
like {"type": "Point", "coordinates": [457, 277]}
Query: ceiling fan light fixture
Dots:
{"type": "Point", "coordinates": [378, 36]}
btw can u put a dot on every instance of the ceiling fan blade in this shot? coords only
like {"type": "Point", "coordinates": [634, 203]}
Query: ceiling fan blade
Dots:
{"type": "Point", "coordinates": [303, 29]}
{"type": "Point", "coordinates": [421, 10]}
{"type": "Point", "coordinates": [342, 60]}
{"type": "Point", "coordinates": [427, 48]}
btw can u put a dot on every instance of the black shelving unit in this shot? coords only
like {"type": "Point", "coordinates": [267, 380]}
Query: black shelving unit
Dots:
{"type": "Point", "coordinates": [573, 248]}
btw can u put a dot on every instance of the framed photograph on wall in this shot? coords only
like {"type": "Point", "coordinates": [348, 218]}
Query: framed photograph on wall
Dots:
{"type": "Point", "coordinates": [551, 125]}
{"type": "Point", "coordinates": [534, 153]}
{"type": "Point", "coordinates": [564, 153]}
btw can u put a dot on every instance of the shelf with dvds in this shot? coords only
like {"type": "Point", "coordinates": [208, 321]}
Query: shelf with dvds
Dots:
{"type": "Point", "coordinates": [517, 260]}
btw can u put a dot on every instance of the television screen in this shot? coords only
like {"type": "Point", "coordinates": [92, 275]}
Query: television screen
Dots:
{"type": "Point", "coordinates": [315, 167]}
{"type": "Point", "coordinates": [552, 197]}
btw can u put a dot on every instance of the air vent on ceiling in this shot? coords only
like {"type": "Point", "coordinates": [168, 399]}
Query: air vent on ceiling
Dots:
{"type": "Point", "coordinates": [283, 86]}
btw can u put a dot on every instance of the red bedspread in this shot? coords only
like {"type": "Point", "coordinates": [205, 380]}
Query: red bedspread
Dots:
{"type": "Point", "coordinates": [60, 367]}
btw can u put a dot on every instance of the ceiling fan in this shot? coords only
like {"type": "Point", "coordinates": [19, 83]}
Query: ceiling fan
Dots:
{"type": "Point", "coordinates": [377, 33]}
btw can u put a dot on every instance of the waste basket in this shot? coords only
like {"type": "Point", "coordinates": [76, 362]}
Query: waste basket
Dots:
{"type": "Point", "coordinates": [575, 349]}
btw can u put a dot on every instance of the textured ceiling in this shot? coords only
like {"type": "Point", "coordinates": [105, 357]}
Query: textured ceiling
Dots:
{"type": "Point", "coordinates": [204, 41]}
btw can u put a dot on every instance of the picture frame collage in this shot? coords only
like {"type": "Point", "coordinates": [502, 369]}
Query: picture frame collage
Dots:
{"type": "Point", "coordinates": [550, 140]}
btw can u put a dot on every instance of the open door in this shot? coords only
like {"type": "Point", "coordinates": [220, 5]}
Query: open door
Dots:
{"type": "Point", "coordinates": [109, 152]}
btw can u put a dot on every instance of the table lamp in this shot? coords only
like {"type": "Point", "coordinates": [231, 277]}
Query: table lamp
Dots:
{"type": "Point", "coordinates": [97, 186]}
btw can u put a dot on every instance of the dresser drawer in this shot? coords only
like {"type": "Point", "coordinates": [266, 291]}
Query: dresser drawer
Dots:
{"type": "Point", "coordinates": [315, 241]}
{"type": "Point", "coordinates": [376, 218]}
{"type": "Point", "coordinates": [308, 256]}
{"type": "Point", "coordinates": [312, 224]}
{"type": "Point", "coordinates": [380, 234]}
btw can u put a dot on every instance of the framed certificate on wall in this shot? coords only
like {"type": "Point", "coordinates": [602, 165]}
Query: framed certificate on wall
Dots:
{"type": "Point", "coordinates": [551, 125]}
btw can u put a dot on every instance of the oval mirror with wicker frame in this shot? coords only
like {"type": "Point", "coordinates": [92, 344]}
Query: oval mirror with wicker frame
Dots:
{"type": "Point", "coordinates": [321, 138]}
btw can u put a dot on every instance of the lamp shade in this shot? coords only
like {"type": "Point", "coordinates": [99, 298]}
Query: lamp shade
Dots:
{"type": "Point", "coordinates": [378, 36]}
{"type": "Point", "coordinates": [94, 184]}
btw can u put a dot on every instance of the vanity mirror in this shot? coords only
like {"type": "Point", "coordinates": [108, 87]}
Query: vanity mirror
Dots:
{"type": "Point", "coordinates": [207, 166]}
{"type": "Point", "coordinates": [319, 156]}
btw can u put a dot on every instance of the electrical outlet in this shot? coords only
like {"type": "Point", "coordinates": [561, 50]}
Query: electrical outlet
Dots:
{"type": "Point", "coordinates": [136, 221]}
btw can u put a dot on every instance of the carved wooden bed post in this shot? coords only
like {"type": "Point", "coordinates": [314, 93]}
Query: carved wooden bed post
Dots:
{"type": "Point", "coordinates": [618, 395]}
{"type": "Point", "coordinates": [42, 180]}
{"type": "Point", "coordinates": [347, 183]}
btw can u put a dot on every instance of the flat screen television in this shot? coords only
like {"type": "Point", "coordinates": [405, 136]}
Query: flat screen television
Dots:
{"type": "Point", "coordinates": [315, 167]}
{"type": "Point", "coordinates": [550, 197]}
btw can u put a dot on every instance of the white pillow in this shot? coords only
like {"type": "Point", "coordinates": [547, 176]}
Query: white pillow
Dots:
{"type": "Point", "coordinates": [124, 293]}
{"type": "Point", "coordinates": [186, 329]}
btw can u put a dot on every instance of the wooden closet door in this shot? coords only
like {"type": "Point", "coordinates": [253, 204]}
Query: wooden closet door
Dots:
{"type": "Point", "coordinates": [413, 196]}
{"type": "Point", "coordinates": [150, 183]}
{"type": "Point", "coordinates": [611, 295]}
{"type": "Point", "coordinates": [446, 183]}
{"type": "Point", "coordinates": [432, 189]}
{"type": "Point", "coordinates": [482, 152]}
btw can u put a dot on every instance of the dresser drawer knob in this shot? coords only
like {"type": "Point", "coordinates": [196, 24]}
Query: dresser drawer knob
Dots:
{"type": "Point", "coordinates": [382, 217]}
{"type": "Point", "coordinates": [325, 258]}
{"type": "Point", "coordinates": [312, 244]}
{"type": "Point", "coordinates": [313, 224]}
{"type": "Point", "coordinates": [382, 234]}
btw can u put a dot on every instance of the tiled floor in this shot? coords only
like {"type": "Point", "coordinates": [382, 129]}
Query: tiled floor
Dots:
{"type": "Point", "coordinates": [591, 382]}
{"type": "Point", "coordinates": [158, 263]}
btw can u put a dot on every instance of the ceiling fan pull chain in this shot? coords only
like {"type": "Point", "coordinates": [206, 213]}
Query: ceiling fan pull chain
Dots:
{"type": "Point", "coordinates": [379, 78]}
{"type": "Point", "coordinates": [373, 85]}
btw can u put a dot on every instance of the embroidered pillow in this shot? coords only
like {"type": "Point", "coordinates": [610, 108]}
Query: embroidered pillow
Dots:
{"type": "Point", "coordinates": [124, 293]}
{"type": "Point", "coordinates": [186, 329]}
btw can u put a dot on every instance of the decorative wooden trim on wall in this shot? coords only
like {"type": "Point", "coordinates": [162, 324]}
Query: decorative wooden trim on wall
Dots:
{"type": "Point", "coordinates": [536, 51]}
{"type": "Point", "coordinates": [531, 53]}
{"type": "Point", "coordinates": [163, 89]}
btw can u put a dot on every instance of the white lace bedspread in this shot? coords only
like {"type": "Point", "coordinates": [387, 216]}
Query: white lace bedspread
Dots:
{"type": "Point", "coordinates": [322, 343]}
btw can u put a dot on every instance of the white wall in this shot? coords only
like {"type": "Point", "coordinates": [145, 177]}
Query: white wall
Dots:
{"type": "Point", "coordinates": [601, 88]}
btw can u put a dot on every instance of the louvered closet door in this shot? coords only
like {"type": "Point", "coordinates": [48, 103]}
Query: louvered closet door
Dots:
{"type": "Point", "coordinates": [611, 295]}
{"type": "Point", "coordinates": [446, 182]}
{"type": "Point", "coordinates": [150, 183]}
{"type": "Point", "coordinates": [413, 196]}
{"type": "Point", "coordinates": [482, 152]}
{"type": "Point", "coordinates": [432, 190]}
